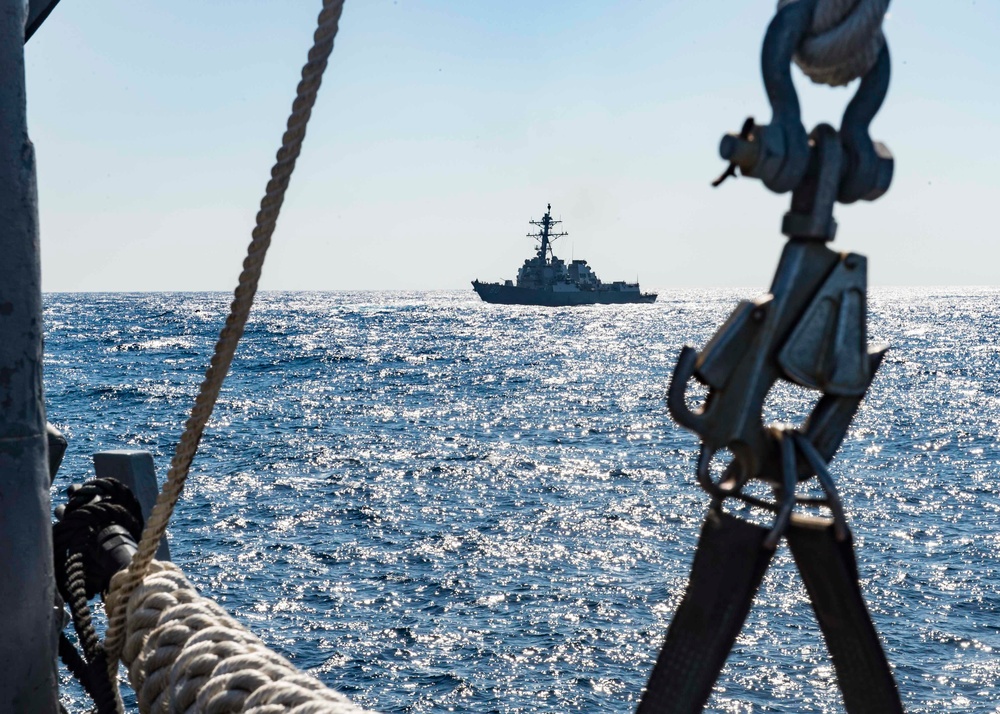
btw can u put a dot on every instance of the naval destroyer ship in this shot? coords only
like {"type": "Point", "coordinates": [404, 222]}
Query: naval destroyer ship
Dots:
{"type": "Point", "coordinates": [546, 280]}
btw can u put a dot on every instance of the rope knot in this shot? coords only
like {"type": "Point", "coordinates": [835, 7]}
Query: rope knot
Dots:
{"type": "Point", "coordinates": [844, 40]}
{"type": "Point", "coordinates": [102, 522]}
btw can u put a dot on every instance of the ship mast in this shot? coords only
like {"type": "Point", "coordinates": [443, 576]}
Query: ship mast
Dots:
{"type": "Point", "coordinates": [545, 236]}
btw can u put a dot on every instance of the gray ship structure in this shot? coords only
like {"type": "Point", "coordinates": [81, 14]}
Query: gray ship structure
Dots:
{"type": "Point", "coordinates": [546, 280]}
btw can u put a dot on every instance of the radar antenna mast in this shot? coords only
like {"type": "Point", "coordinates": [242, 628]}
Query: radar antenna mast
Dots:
{"type": "Point", "coordinates": [545, 236]}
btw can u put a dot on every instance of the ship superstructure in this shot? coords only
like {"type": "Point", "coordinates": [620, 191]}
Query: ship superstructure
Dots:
{"type": "Point", "coordinates": [545, 279]}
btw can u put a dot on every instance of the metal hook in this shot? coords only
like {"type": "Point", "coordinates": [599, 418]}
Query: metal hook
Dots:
{"type": "Point", "coordinates": [787, 490]}
{"type": "Point", "coordinates": [676, 403]}
{"type": "Point", "coordinates": [817, 463]}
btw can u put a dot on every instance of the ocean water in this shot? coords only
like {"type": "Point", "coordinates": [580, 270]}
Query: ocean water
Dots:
{"type": "Point", "coordinates": [438, 505]}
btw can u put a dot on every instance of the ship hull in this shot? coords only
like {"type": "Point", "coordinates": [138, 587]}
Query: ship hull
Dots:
{"type": "Point", "coordinates": [500, 294]}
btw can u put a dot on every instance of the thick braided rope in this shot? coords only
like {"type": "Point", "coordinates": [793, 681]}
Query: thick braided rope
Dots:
{"type": "Point", "coordinates": [225, 348]}
{"type": "Point", "coordinates": [77, 601]}
{"type": "Point", "coordinates": [185, 655]}
{"type": "Point", "coordinates": [844, 41]}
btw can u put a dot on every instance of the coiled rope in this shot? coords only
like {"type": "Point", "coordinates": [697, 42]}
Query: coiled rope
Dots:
{"type": "Point", "coordinates": [844, 41]}
{"type": "Point", "coordinates": [100, 510]}
{"type": "Point", "coordinates": [185, 654]}
{"type": "Point", "coordinates": [119, 598]}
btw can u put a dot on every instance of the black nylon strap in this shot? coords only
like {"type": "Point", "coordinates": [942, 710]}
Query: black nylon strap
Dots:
{"type": "Point", "coordinates": [830, 573]}
{"type": "Point", "coordinates": [728, 566]}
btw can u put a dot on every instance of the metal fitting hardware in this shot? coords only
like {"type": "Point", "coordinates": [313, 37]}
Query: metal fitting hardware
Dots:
{"type": "Point", "coordinates": [812, 201]}
{"type": "Point", "coordinates": [780, 153]}
{"type": "Point", "coordinates": [869, 164]}
{"type": "Point", "coordinates": [781, 156]}
{"type": "Point", "coordinates": [112, 550]}
{"type": "Point", "coordinates": [809, 330]}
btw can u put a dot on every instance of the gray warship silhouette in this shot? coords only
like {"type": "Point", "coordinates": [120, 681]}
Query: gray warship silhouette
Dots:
{"type": "Point", "coordinates": [547, 280]}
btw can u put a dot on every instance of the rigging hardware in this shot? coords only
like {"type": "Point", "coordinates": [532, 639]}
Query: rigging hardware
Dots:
{"type": "Point", "coordinates": [809, 330]}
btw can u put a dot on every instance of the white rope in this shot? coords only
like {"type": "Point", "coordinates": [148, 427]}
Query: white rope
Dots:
{"type": "Point", "coordinates": [225, 348]}
{"type": "Point", "coordinates": [185, 655]}
{"type": "Point", "coordinates": [844, 41]}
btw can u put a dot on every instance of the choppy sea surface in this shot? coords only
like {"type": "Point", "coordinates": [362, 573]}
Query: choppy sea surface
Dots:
{"type": "Point", "coordinates": [438, 505]}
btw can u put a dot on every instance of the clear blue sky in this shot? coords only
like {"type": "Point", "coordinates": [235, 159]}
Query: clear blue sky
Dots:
{"type": "Point", "coordinates": [444, 125]}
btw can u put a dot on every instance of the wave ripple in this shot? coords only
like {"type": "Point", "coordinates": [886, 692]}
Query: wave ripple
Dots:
{"type": "Point", "coordinates": [436, 504]}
